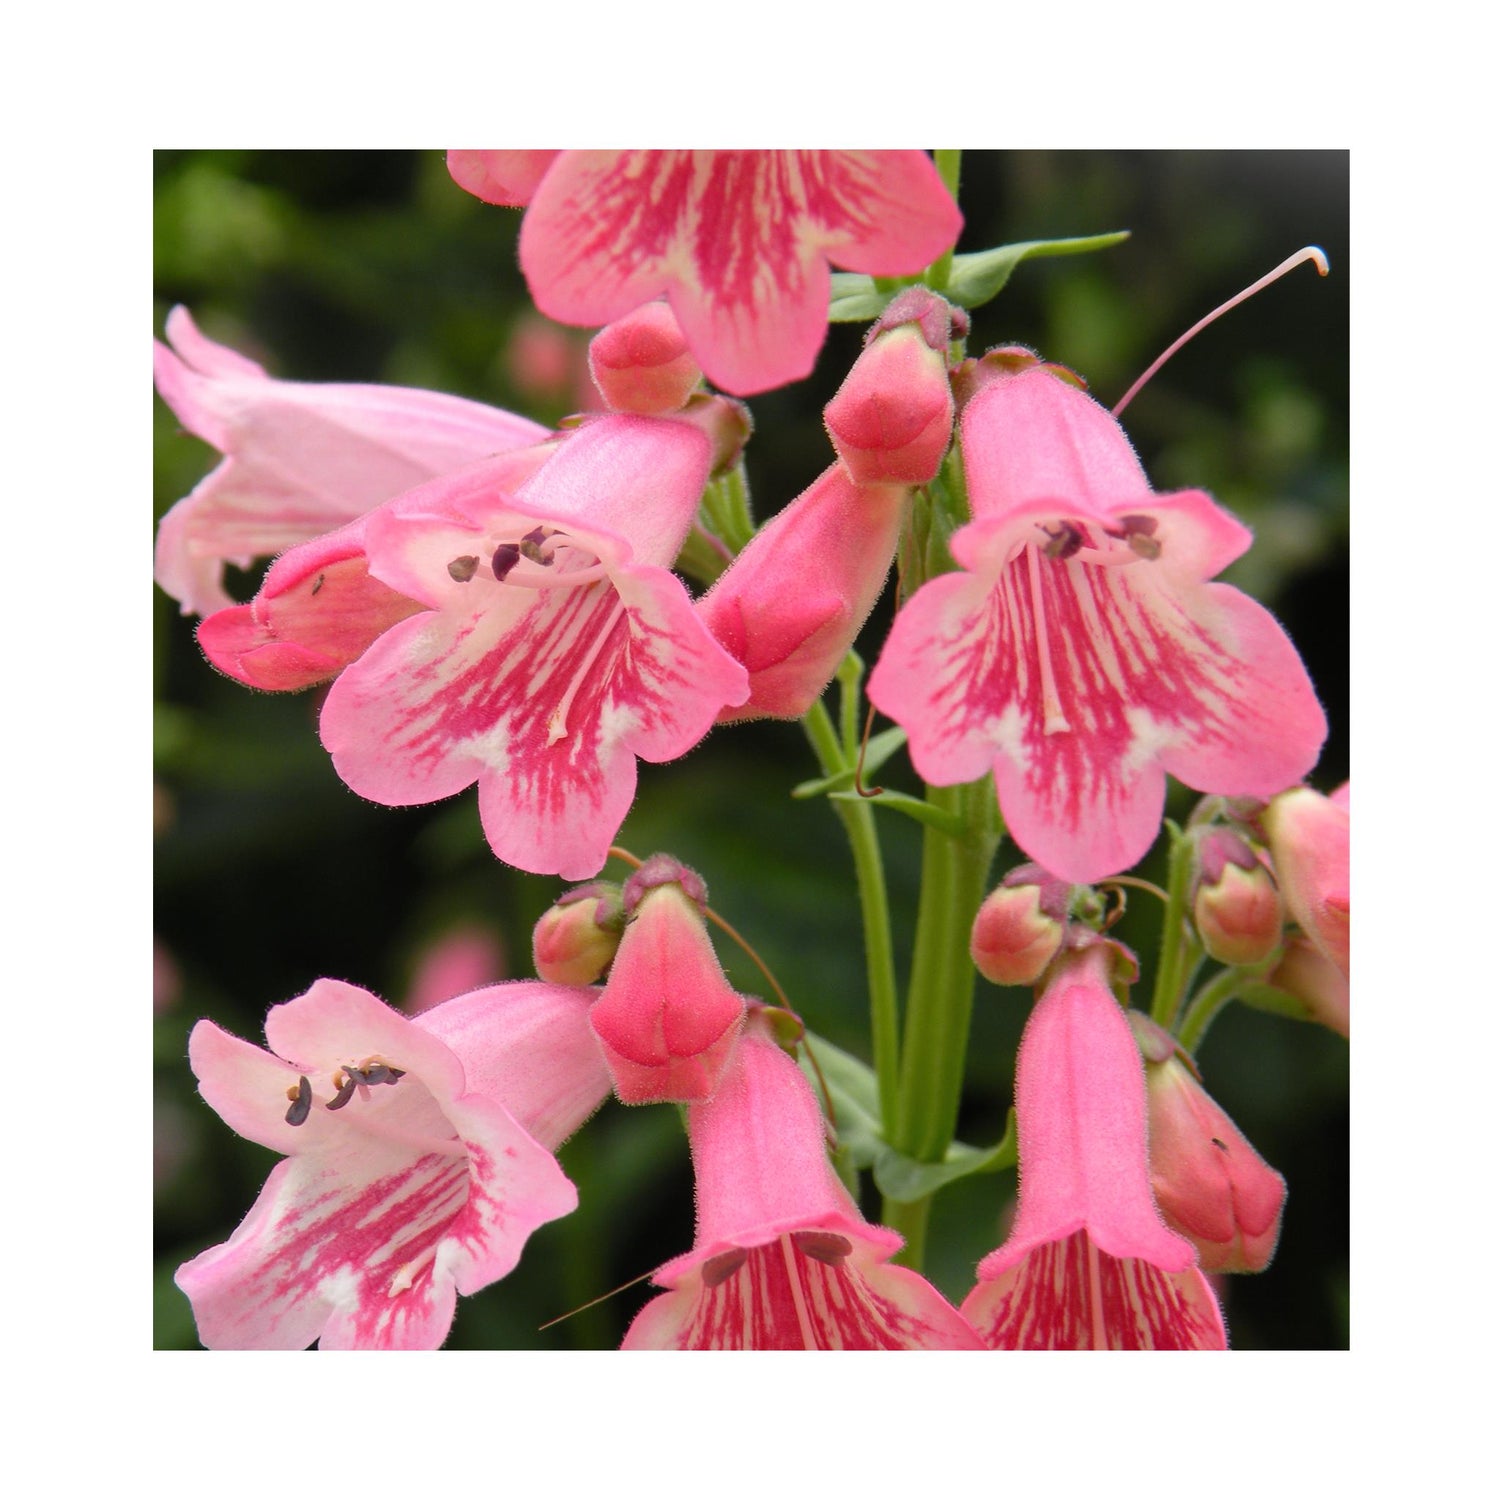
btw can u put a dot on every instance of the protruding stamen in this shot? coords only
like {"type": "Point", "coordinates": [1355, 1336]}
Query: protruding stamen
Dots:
{"type": "Point", "coordinates": [794, 1282]}
{"type": "Point", "coordinates": [1054, 721]}
{"type": "Point", "coordinates": [1308, 252]}
{"type": "Point", "coordinates": [507, 555]}
{"type": "Point", "coordinates": [717, 1269]}
{"type": "Point", "coordinates": [302, 1102]}
{"type": "Point", "coordinates": [821, 1245]}
{"type": "Point", "coordinates": [1062, 543]}
{"type": "Point", "coordinates": [557, 724]}
{"type": "Point", "coordinates": [462, 569]}
{"type": "Point", "coordinates": [533, 546]}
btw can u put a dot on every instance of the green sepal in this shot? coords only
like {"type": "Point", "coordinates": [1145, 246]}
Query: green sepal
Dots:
{"type": "Point", "coordinates": [914, 807]}
{"type": "Point", "coordinates": [855, 299]}
{"type": "Point", "coordinates": [905, 1180]}
{"type": "Point", "coordinates": [700, 559]}
{"type": "Point", "coordinates": [879, 750]}
{"type": "Point", "coordinates": [856, 1099]}
{"type": "Point", "coordinates": [976, 278]}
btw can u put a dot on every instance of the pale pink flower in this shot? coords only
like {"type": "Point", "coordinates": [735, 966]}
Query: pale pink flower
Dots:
{"type": "Point", "coordinates": [419, 1159]}
{"type": "Point", "coordinates": [1081, 654]}
{"type": "Point", "coordinates": [738, 241]}
{"type": "Point", "coordinates": [299, 459]}
{"type": "Point", "coordinates": [667, 1018]}
{"type": "Point", "coordinates": [553, 648]}
{"type": "Point", "coordinates": [1309, 836]}
{"type": "Point", "coordinates": [782, 1258]}
{"type": "Point", "coordinates": [1089, 1264]}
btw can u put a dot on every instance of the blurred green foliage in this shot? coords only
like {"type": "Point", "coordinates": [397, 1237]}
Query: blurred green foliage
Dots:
{"type": "Point", "coordinates": [373, 266]}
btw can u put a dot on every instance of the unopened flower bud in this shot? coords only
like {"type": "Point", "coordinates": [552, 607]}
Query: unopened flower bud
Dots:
{"type": "Point", "coordinates": [576, 938]}
{"type": "Point", "coordinates": [1019, 928]}
{"type": "Point", "coordinates": [641, 363]}
{"type": "Point", "coordinates": [667, 1019]}
{"type": "Point", "coordinates": [1236, 906]}
{"type": "Point", "coordinates": [1309, 976]}
{"type": "Point", "coordinates": [1001, 363]}
{"type": "Point", "coordinates": [1210, 1183]}
{"type": "Point", "coordinates": [726, 421]}
{"type": "Point", "coordinates": [892, 418]}
{"type": "Point", "coordinates": [1309, 837]}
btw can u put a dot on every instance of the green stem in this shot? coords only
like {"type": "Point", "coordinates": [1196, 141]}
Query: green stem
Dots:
{"type": "Point", "coordinates": [1208, 1002]}
{"type": "Point", "coordinates": [947, 162]}
{"type": "Point", "coordinates": [940, 998]}
{"type": "Point", "coordinates": [858, 819]}
{"type": "Point", "coordinates": [1173, 956]}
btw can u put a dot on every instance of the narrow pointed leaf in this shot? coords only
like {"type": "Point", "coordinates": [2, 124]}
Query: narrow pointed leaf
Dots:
{"type": "Point", "coordinates": [978, 277]}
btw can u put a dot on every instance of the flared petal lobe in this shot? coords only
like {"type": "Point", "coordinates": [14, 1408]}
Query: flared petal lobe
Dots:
{"type": "Point", "coordinates": [782, 1258]}
{"type": "Point", "coordinates": [1089, 1263]}
{"type": "Point", "coordinates": [403, 1186]}
{"type": "Point", "coordinates": [299, 459]}
{"type": "Point", "coordinates": [1081, 655]}
{"type": "Point", "coordinates": [738, 241]}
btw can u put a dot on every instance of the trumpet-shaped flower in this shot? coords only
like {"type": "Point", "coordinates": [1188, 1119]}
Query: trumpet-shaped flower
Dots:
{"type": "Point", "coordinates": [1082, 654]}
{"type": "Point", "coordinates": [299, 459]}
{"type": "Point", "coordinates": [739, 241]}
{"type": "Point", "coordinates": [418, 1159]}
{"type": "Point", "coordinates": [553, 645]}
{"type": "Point", "coordinates": [782, 1258]}
{"type": "Point", "coordinates": [1089, 1263]}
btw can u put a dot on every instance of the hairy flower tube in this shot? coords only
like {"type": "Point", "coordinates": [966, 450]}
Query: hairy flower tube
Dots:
{"type": "Point", "coordinates": [419, 1158]}
{"type": "Point", "coordinates": [1089, 1264]}
{"type": "Point", "coordinates": [1309, 836]}
{"type": "Point", "coordinates": [738, 241]}
{"type": "Point", "coordinates": [299, 459]}
{"type": "Point", "coordinates": [782, 1258]}
{"type": "Point", "coordinates": [1082, 654]}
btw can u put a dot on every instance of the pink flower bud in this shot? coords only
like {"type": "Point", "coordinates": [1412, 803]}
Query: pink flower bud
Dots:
{"type": "Point", "coordinates": [1309, 836]}
{"type": "Point", "coordinates": [641, 363]}
{"type": "Point", "coordinates": [726, 422]}
{"type": "Point", "coordinates": [576, 938]}
{"type": "Point", "coordinates": [1236, 905]}
{"type": "Point", "coordinates": [1315, 980]}
{"type": "Point", "coordinates": [1019, 928]}
{"type": "Point", "coordinates": [667, 1019]}
{"type": "Point", "coordinates": [1210, 1183]}
{"type": "Point", "coordinates": [892, 419]}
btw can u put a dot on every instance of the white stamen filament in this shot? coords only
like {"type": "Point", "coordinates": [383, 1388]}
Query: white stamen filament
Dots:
{"type": "Point", "coordinates": [545, 578]}
{"type": "Point", "coordinates": [1115, 558]}
{"type": "Point", "coordinates": [1054, 721]}
{"type": "Point", "coordinates": [557, 724]}
{"type": "Point", "coordinates": [804, 1318]}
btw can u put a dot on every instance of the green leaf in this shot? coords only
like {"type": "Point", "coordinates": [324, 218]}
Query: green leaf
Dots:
{"type": "Point", "coordinates": [978, 277]}
{"type": "Point", "coordinates": [914, 807]}
{"type": "Point", "coordinates": [880, 749]}
{"type": "Point", "coordinates": [1276, 1002]}
{"type": "Point", "coordinates": [855, 299]}
{"type": "Point", "coordinates": [905, 1180]}
{"type": "Point", "coordinates": [856, 1099]}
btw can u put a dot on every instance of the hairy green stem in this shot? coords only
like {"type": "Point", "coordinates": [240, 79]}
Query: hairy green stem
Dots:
{"type": "Point", "coordinates": [858, 819]}
{"type": "Point", "coordinates": [937, 274]}
{"type": "Point", "coordinates": [1174, 957]}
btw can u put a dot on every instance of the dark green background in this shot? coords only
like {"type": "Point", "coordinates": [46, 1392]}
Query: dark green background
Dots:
{"type": "Point", "coordinates": [373, 266]}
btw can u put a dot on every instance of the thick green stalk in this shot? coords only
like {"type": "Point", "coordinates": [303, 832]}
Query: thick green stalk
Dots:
{"type": "Point", "coordinates": [940, 999]}
{"type": "Point", "coordinates": [858, 819]}
{"type": "Point", "coordinates": [947, 162]}
{"type": "Point", "coordinates": [1177, 952]}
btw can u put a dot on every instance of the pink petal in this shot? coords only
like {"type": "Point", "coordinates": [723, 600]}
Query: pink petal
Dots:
{"type": "Point", "coordinates": [505, 177]}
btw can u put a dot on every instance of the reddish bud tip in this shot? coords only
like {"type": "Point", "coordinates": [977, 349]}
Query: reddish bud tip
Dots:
{"type": "Point", "coordinates": [1236, 906]}
{"type": "Point", "coordinates": [1020, 927]}
{"type": "Point", "coordinates": [576, 938]}
{"type": "Point", "coordinates": [641, 363]}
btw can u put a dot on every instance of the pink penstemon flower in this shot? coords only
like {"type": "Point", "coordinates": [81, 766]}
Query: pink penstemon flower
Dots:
{"type": "Point", "coordinates": [1082, 654]}
{"type": "Point", "coordinates": [300, 459]}
{"type": "Point", "coordinates": [418, 1159]}
{"type": "Point", "coordinates": [1089, 1264]}
{"type": "Point", "coordinates": [739, 241]}
{"type": "Point", "coordinates": [782, 1258]}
